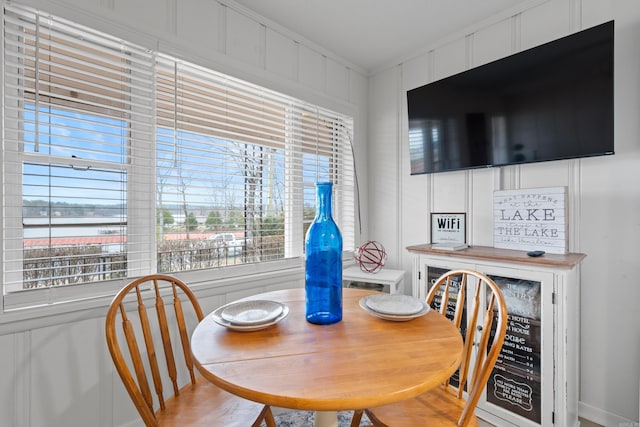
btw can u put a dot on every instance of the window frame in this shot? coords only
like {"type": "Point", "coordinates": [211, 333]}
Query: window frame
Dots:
{"type": "Point", "coordinates": [74, 295]}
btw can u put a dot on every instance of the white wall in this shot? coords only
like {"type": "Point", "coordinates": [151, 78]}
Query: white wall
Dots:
{"type": "Point", "coordinates": [56, 371]}
{"type": "Point", "coordinates": [604, 192]}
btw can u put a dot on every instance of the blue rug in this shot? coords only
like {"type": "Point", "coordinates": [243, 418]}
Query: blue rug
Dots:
{"type": "Point", "coordinates": [286, 418]}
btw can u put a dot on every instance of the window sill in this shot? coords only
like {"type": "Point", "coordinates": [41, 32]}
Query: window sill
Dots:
{"type": "Point", "coordinates": [203, 283]}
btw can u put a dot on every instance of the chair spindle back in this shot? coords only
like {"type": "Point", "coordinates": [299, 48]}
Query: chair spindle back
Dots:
{"type": "Point", "coordinates": [142, 337]}
{"type": "Point", "coordinates": [452, 289]}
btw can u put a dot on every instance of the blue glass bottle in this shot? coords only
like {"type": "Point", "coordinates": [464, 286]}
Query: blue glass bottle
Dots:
{"type": "Point", "coordinates": [323, 267]}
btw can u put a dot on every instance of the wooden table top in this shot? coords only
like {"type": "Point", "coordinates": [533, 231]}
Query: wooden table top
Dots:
{"type": "Point", "coordinates": [360, 362]}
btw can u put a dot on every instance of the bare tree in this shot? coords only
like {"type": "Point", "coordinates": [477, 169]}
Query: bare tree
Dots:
{"type": "Point", "coordinates": [182, 186]}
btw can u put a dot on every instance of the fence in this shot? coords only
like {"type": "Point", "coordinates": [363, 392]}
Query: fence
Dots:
{"type": "Point", "coordinates": [61, 266]}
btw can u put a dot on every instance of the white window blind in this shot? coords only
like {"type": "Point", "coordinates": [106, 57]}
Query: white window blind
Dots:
{"type": "Point", "coordinates": [235, 158]}
{"type": "Point", "coordinates": [76, 102]}
{"type": "Point", "coordinates": [119, 161]}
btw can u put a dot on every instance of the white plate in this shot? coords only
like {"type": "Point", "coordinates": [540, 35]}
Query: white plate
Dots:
{"type": "Point", "coordinates": [394, 317]}
{"type": "Point", "coordinates": [246, 328]}
{"type": "Point", "coordinates": [251, 312]}
{"type": "Point", "coordinates": [396, 304]}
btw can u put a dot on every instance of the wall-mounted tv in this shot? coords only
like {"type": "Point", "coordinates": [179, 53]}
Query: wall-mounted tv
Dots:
{"type": "Point", "coordinates": [551, 102]}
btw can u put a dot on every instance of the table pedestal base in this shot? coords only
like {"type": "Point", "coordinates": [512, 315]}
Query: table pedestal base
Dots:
{"type": "Point", "coordinates": [326, 419]}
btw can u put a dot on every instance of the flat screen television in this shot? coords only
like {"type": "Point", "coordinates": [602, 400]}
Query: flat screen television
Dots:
{"type": "Point", "coordinates": [551, 102]}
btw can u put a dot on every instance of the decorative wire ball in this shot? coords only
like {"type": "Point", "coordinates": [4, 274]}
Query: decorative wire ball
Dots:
{"type": "Point", "coordinates": [371, 256]}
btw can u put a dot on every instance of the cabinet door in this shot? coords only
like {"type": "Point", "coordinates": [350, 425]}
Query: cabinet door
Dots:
{"type": "Point", "coordinates": [520, 389]}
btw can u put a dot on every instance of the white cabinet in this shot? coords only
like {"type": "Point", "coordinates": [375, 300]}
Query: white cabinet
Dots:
{"type": "Point", "coordinates": [536, 379]}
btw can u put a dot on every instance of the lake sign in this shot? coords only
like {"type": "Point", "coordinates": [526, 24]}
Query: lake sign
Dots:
{"type": "Point", "coordinates": [531, 219]}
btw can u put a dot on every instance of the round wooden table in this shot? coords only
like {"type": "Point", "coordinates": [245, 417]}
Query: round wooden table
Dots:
{"type": "Point", "coordinates": [361, 362]}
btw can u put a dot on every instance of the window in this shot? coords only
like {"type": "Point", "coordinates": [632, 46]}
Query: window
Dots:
{"type": "Point", "coordinates": [120, 161]}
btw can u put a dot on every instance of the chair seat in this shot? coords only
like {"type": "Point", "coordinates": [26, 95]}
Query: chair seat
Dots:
{"type": "Point", "coordinates": [437, 407]}
{"type": "Point", "coordinates": [204, 404]}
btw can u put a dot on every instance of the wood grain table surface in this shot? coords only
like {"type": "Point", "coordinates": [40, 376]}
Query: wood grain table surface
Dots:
{"type": "Point", "coordinates": [362, 361]}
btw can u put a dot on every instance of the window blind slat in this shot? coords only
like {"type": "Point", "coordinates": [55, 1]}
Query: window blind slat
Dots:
{"type": "Point", "coordinates": [69, 97]}
{"type": "Point", "coordinates": [121, 161]}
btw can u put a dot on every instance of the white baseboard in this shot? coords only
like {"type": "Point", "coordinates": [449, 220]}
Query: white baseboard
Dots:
{"type": "Point", "coordinates": [585, 411]}
{"type": "Point", "coordinates": [604, 418]}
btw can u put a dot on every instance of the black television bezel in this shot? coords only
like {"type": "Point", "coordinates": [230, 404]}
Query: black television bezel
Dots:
{"type": "Point", "coordinates": [605, 30]}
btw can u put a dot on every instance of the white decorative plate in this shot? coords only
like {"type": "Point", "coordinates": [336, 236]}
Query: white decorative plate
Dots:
{"type": "Point", "coordinates": [397, 304]}
{"type": "Point", "coordinates": [217, 317]}
{"type": "Point", "coordinates": [251, 312]}
{"type": "Point", "coordinates": [394, 317]}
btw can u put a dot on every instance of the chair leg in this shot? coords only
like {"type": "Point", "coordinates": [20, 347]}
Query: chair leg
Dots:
{"type": "Point", "coordinates": [374, 420]}
{"type": "Point", "coordinates": [357, 416]}
{"type": "Point", "coordinates": [265, 415]}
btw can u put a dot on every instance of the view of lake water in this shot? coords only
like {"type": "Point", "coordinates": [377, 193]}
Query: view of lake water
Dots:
{"type": "Point", "coordinates": [36, 228]}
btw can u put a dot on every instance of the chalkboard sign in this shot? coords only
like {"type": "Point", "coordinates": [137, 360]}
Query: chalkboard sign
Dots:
{"type": "Point", "coordinates": [516, 383]}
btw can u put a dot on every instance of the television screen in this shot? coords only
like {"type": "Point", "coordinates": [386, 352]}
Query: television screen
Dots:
{"type": "Point", "coordinates": [551, 102]}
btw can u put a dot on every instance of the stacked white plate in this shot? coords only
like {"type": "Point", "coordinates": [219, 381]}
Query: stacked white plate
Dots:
{"type": "Point", "coordinates": [395, 307]}
{"type": "Point", "coordinates": [250, 315]}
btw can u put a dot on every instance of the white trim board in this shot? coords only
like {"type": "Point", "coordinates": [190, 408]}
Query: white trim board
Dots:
{"type": "Point", "coordinates": [602, 417]}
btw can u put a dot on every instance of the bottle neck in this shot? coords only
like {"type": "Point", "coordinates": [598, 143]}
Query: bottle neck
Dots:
{"type": "Point", "coordinates": [323, 200]}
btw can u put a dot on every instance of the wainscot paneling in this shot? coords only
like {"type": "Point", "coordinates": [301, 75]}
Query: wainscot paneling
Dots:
{"type": "Point", "coordinates": [480, 207]}
{"type": "Point", "coordinates": [383, 154]}
{"type": "Point", "coordinates": [9, 385]}
{"type": "Point", "coordinates": [337, 79]}
{"type": "Point", "coordinates": [311, 68]}
{"type": "Point", "coordinates": [200, 30]}
{"type": "Point", "coordinates": [450, 59]}
{"type": "Point", "coordinates": [244, 38]}
{"type": "Point", "coordinates": [449, 192]}
{"type": "Point", "coordinates": [546, 22]}
{"type": "Point", "coordinates": [64, 364]}
{"type": "Point", "coordinates": [494, 42]}
{"type": "Point", "coordinates": [282, 55]}
{"type": "Point", "coordinates": [415, 73]}
{"type": "Point", "coordinates": [139, 13]}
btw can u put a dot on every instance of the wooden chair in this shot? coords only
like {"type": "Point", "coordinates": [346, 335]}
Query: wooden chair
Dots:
{"type": "Point", "coordinates": [444, 405]}
{"type": "Point", "coordinates": [147, 337]}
